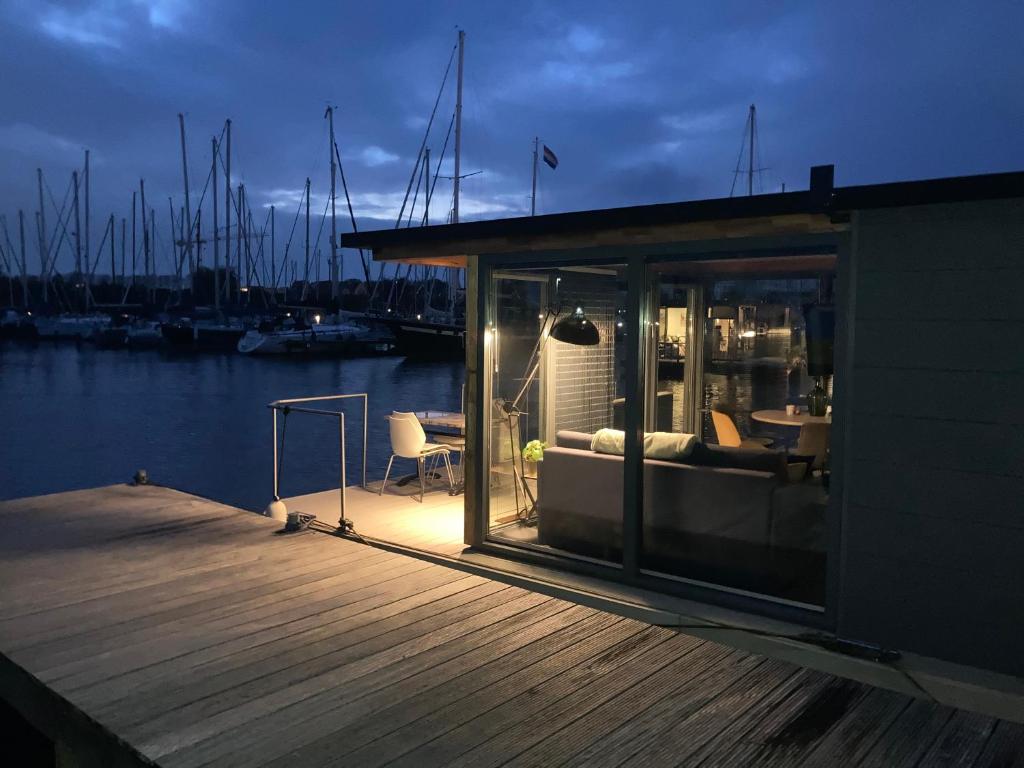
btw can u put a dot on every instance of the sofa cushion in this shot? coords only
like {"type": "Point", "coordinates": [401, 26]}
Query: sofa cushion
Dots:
{"type": "Point", "coordinates": [704, 455]}
{"type": "Point", "coordinates": [668, 446]}
{"type": "Point", "coordinates": [566, 438]}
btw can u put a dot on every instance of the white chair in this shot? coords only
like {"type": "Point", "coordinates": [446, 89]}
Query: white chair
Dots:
{"type": "Point", "coordinates": [409, 441]}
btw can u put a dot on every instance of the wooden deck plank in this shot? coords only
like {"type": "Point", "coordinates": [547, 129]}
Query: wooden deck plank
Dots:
{"type": "Point", "coordinates": [626, 721]}
{"type": "Point", "coordinates": [258, 629]}
{"type": "Point", "coordinates": [380, 709]}
{"type": "Point", "coordinates": [624, 637]}
{"type": "Point", "coordinates": [1005, 748]}
{"type": "Point", "coordinates": [910, 735]}
{"type": "Point", "coordinates": [961, 741]}
{"type": "Point", "coordinates": [557, 711]}
{"type": "Point", "coordinates": [855, 735]}
{"type": "Point", "coordinates": [95, 625]}
{"type": "Point", "coordinates": [680, 738]}
{"type": "Point", "coordinates": [427, 681]}
{"type": "Point", "coordinates": [150, 625]}
{"type": "Point", "coordinates": [301, 677]}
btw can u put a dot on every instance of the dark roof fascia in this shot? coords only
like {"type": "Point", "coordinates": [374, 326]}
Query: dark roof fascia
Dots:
{"type": "Point", "coordinates": [843, 199]}
{"type": "Point", "coordinates": [692, 211]}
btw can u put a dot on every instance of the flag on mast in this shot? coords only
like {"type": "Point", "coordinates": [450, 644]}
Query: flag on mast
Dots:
{"type": "Point", "coordinates": [550, 158]}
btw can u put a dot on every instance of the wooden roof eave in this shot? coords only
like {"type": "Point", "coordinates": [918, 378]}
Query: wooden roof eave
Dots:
{"type": "Point", "coordinates": [455, 252]}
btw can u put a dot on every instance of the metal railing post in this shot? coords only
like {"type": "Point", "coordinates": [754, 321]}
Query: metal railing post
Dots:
{"type": "Point", "coordinates": [274, 412]}
{"type": "Point", "coordinates": [291, 404]}
{"type": "Point", "coordinates": [341, 443]}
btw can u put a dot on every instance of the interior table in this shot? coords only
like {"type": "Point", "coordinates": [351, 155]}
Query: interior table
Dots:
{"type": "Point", "coordinates": [784, 419]}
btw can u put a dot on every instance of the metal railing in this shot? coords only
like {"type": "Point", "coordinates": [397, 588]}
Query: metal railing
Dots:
{"type": "Point", "coordinates": [293, 406]}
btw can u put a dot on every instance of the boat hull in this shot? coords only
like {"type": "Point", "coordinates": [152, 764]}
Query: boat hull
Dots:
{"type": "Point", "coordinates": [418, 340]}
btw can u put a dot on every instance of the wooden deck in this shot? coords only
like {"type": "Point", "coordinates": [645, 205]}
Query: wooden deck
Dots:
{"type": "Point", "coordinates": [397, 516]}
{"type": "Point", "coordinates": [144, 625]}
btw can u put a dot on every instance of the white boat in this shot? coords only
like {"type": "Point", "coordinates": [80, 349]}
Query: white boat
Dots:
{"type": "Point", "coordinates": [77, 327]}
{"type": "Point", "coordinates": [318, 339]}
{"type": "Point", "coordinates": [144, 334]}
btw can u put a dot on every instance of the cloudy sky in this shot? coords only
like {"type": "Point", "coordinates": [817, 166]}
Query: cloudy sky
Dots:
{"type": "Point", "coordinates": [642, 102]}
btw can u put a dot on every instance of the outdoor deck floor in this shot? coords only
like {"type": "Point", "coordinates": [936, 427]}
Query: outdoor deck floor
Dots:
{"type": "Point", "coordinates": [188, 633]}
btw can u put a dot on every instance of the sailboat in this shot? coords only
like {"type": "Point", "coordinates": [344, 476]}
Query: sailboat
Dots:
{"type": "Point", "coordinates": [433, 334]}
{"type": "Point", "coordinates": [296, 337]}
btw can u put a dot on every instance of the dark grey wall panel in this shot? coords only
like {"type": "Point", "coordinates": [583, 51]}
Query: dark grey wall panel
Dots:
{"type": "Point", "coordinates": [930, 394]}
{"type": "Point", "coordinates": [933, 523]}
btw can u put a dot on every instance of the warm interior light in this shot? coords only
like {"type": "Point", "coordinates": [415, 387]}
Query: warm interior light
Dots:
{"type": "Point", "coordinates": [748, 334]}
{"type": "Point", "coordinates": [316, 319]}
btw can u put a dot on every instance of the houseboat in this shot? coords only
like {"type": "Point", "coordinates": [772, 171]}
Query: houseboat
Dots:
{"type": "Point", "coordinates": [870, 488]}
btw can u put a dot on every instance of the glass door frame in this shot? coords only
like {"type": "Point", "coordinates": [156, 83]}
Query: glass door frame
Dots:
{"type": "Point", "coordinates": [638, 261]}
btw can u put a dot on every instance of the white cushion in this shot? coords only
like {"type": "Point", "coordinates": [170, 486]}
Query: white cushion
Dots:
{"type": "Point", "coordinates": [657, 445]}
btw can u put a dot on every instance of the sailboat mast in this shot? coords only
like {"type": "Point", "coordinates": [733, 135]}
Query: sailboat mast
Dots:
{"type": "Point", "coordinates": [238, 243]}
{"type": "Point", "coordinates": [24, 266]}
{"type": "Point", "coordinates": [43, 271]}
{"type": "Point", "coordinates": [334, 223]}
{"type": "Point", "coordinates": [750, 157]}
{"type": "Point", "coordinates": [306, 277]}
{"type": "Point", "coordinates": [227, 206]}
{"type": "Point", "coordinates": [426, 199]}
{"type": "Point", "coordinates": [458, 131]}
{"type": "Point", "coordinates": [273, 257]}
{"type": "Point", "coordinates": [78, 229]}
{"type": "Point", "coordinates": [533, 193]}
{"type": "Point", "coordinates": [216, 237]}
{"type": "Point", "coordinates": [88, 261]}
{"type": "Point", "coordinates": [147, 265]}
{"type": "Point", "coordinates": [113, 267]}
{"type": "Point", "coordinates": [188, 209]}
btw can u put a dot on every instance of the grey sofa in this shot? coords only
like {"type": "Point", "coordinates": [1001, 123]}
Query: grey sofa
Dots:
{"type": "Point", "coordinates": [706, 514]}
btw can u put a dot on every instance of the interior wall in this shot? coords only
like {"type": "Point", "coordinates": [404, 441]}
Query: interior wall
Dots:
{"type": "Point", "coordinates": [933, 526]}
{"type": "Point", "coordinates": [585, 376]}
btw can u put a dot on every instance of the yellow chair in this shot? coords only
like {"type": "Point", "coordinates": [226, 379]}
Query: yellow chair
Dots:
{"type": "Point", "coordinates": [729, 435]}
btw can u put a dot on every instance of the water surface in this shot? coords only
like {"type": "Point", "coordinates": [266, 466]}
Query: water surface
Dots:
{"type": "Point", "coordinates": [80, 417]}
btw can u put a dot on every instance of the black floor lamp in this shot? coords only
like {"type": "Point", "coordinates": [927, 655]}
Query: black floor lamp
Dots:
{"type": "Point", "coordinates": [573, 329]}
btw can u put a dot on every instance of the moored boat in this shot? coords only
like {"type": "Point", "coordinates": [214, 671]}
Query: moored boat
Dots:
{"type": "Point", "coordinates": [317, 339]}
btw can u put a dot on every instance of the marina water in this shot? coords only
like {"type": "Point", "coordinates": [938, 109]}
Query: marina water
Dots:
{"type": "Point", "coordinates": [81, 417]}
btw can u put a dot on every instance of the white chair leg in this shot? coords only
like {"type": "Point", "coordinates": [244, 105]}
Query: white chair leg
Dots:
{"type": "Point", "coordinates": [388, 472]}
{"type": "Point", "coordinates": [451, 476]}
{"type": "Point", "coordinates": [420, 465]}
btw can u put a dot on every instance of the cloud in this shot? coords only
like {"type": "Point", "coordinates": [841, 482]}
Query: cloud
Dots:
{"type": "Point", "coordinates": [107, 23]}
{"type": "Point", "coordinates": [35, 142]}
{"type": "Point", "coordinates": [584, 39]}
{"type": "Point", "coordinates": [374, 156]}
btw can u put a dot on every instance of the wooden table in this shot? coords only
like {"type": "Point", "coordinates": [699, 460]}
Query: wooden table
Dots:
{"type": "Point", "coordinates": [784, 419]}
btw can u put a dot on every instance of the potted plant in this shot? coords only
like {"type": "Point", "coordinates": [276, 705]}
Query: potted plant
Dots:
{"type": "Point", "coordinates": [533, 452]}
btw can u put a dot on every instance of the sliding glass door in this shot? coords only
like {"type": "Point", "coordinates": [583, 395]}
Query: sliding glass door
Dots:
{"type": "Point", "coordinates": [719, 478]}
{"type": "Point", "coordinates": [742, 505]}
{"type": "Point", "coordinates": [555, 366]}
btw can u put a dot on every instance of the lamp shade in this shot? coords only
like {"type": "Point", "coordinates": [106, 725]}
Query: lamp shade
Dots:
{"type": "Point", "coordinates": [576, 329]}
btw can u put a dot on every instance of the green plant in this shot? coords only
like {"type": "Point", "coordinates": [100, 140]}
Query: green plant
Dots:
{"type": "Point", "coordinates": [534, 450]}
